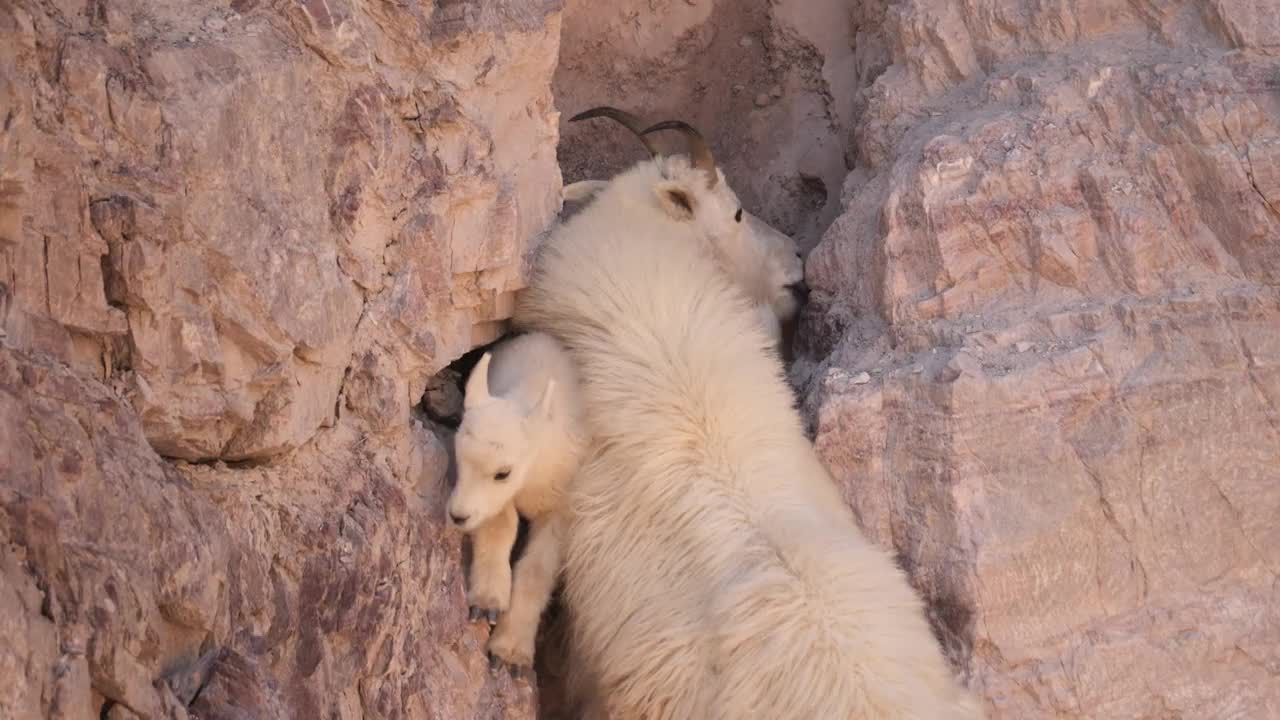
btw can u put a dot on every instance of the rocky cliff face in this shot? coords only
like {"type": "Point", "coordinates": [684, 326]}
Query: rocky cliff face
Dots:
{"type": "Point", "coordinates": [771, 85]}
{"type": "Point", "coordinates": [237, 242]}
{"type": "Point", "coordinates": [1045, 351]}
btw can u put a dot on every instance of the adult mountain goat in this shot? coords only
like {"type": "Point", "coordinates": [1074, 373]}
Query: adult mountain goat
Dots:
{"type": "Point", "coordinates": [763, 262]}
{"type": "Point", "coordinates": [711, 567]}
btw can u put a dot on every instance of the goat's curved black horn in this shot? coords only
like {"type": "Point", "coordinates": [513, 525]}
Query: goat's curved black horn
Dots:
{"type": "Point", "coordinates": [622, 117]}
{"type": "Point", "coordinates": [699, 151]}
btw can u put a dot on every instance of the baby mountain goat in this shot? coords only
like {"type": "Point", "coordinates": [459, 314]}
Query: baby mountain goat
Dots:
{"type": "Point", "coordinates": [518, 447]}
{"type": "Point", "coordinates": [761, 261]}
{"type": "Point", "coordinates": [711, 568]}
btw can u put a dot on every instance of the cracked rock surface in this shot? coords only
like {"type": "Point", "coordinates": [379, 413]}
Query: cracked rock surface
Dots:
{"type": "Point", "coordinates": [225, 210]}
{"type": "Point", "coordinates": [1059, 265]}
{"type": "Point", "coordinates": [236, 240]}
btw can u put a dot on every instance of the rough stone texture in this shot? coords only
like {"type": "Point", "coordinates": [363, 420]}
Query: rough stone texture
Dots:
{"type": "Point", "coordinates": [235, 242]}
{"type": "Point", "coordinates": [769, 83]}
{"type": "Point", "coordinates": [213, 205]}
{"type": "Point", "coordinates": [1059, 267]}
{"type": "Point", "coordinates": [322, 584]}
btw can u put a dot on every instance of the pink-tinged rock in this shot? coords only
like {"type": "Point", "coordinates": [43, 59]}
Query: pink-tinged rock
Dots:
{"type": "Point", "coordinates": [208, 202]}
{"type": "Point", "coordinates": [227, 233]}
{"type": "Point", "coordinates": [327, 583]}
{"type": "Point", "coordinates": [1059, 264]}
{"type": "Point", "coordinates": [721, 67]}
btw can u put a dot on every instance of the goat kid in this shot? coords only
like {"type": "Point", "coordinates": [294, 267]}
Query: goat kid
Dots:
{"type": "Point", "coordinates": [517, 449]}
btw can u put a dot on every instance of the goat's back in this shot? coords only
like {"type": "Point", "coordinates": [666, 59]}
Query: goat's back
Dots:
{"type": "Point", "coordinates": [712, 569]}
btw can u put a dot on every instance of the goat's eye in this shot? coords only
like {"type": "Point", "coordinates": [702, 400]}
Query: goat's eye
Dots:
{"type": "Point", "coordinates": [502, 475]}
{"type": "Point", "coordinates": [737, 217]}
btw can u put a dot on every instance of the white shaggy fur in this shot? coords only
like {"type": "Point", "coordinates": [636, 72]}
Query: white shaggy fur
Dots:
{"type": "Point", "coordinates": [762, 261]}
{"type": "Point", "coordinates": [518, 446]}
{"type": "Point", "coordinates": [711, 567]}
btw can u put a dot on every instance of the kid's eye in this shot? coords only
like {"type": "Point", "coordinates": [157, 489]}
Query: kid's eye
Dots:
{"type": "Point", "coordinates": [502, 475]}
{"type": "Point", "coordinates": [737, 217]}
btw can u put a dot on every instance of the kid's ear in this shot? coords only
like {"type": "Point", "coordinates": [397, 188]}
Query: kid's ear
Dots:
{"type": "Point", "coordinates": [477, 391]}
{"type": "Point", "coordinates": [543, 408]}
{"type": "Point", "coordinates": [675, 199]}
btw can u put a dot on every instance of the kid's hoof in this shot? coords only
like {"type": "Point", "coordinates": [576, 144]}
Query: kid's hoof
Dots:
{"type": "Point", "coordinates": [488, 614]}
{"type": "Point", "coordinates": [495, 663]}
{"type": "Point", "coordinates": [506, 647]}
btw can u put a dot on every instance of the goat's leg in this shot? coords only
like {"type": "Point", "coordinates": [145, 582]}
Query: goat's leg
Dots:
{"type": "Point", "coordinates": [512, 642]}
{"type": "Point", "coordinates": [490, 588]}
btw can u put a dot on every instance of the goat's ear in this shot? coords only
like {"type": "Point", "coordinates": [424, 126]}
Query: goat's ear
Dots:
{"type": "Point", "coordinates": [543, 409]}
{"type": "Point", "coordinates": [477, 384]}
{"type": "Point", "coordinates": [582, 189]}
{"type": "Point", "coordinates": [675, 200]}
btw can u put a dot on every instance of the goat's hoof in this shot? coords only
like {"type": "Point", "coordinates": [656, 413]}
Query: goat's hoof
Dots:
{"type": "Point", "coordinates": [508, 647]}
{"type": "Point", "coordinates": [515, 670]}
{"type": "Point", "coordinates": [490, 615]}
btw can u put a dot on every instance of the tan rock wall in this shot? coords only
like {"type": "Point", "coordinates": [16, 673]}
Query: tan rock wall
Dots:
{"type": "Point", "coordinates": [1045, 347]}
{"type": "Point", "coordinates": [216, 205]}
{"type": "Point", "coordinates": [770, 84]}
{"type": "Point", "coordinates": [235, 243]}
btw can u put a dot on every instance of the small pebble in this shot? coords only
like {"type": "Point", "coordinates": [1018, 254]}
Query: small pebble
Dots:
{"type": "Point", "coordinates": [1023, 346]}
{"type": "Point", "coordinates": [762, 99]}
{"type": "Point", "coordinates": [776, 91]}
{"type": "Point", "coordinates": [861, 378]}
{"type": "Point", "coordinates": [745, 41]}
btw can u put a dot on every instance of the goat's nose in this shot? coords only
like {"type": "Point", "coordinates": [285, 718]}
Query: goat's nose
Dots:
{"type": "Point", "coordinates": [801, 291]}
{"type": "Point", "coordinates": [458, 519]}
